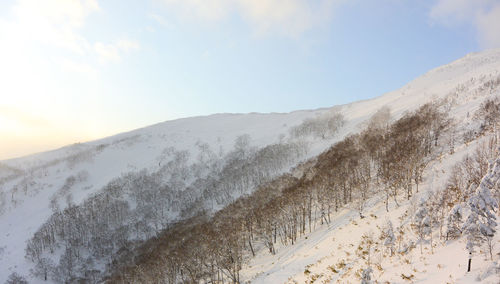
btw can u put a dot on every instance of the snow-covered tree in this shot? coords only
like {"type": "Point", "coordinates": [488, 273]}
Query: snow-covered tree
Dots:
{"type": "Point", "coordinates": [454, 222]}
{"type": "Point", "coordinates": [481, 223]}
{"type": "Point", "coordinates": [471, 230]}
{"type": "Point", "coordinates": [322, 126]}
{"type": "Point", "coordinates": [422, 223]}
{"type": "Point", "coordinates": [366, 277]}
{"type": "Point", "coordinates": [15, 278]}
{"type": "Point", "coordinates": [43, 267]}
{"type": "Point", "coordinates": [389, 238]}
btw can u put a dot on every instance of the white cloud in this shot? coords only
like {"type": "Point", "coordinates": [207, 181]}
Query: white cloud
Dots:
{"type": "Point", "coordinates": [112, 52]}
{"type": "Point", "coordinates": [204, 9]}
{"type": "Point", "coordinates": [161, 20]}
{"type": "Point", "coordinates": [127, 45]}
{"type": "Point", "coordinates": [285, 17]}
{"type": "Point", "coordinates": [290, 18]}
{"type": "Point", "coordinates": [206, 54]}
{"type": "Point", "coordinates": [483, 15]}
{"type": "Point", "coordinates": [54, 22]}
{"type": "Point", "coordinates": [57, 25]}
{"type": "Point", "coordinates": [488, 25]}
{"type": "Point", "coordinates": [77, 66]}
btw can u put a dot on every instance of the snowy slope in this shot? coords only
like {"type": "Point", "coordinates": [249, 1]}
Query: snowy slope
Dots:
{"type": "Point", "coordinates": [27, 196]}
{"type": "Point", "coordinates": [329, 254]}
{"type": "Point", "coordinates": [27, 184]}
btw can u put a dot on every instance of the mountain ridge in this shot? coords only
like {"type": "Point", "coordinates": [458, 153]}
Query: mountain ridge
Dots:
{"type": "Point", "coordinates": [72, 174]}
{"type": "Point", "coordinates": [486, 57]}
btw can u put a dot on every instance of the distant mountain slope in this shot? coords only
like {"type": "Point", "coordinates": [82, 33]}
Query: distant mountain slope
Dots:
{"type": "Point", "coordinates": [33, 187]}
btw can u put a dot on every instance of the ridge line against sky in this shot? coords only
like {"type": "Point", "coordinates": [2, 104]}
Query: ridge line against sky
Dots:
{"type": "Point", "coordinates": [78, 70]}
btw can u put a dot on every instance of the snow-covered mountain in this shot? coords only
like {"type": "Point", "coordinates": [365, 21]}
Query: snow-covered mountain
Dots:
{"type": "Point", "coordinates": [196, 157]}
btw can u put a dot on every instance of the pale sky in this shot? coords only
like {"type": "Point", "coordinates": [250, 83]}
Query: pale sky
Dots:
{"type": "Point", "coordinates": [76, 70]}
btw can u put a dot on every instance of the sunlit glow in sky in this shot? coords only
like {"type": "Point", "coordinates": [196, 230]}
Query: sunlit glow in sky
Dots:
{"type": "Point", "coordinates": [76, 70]}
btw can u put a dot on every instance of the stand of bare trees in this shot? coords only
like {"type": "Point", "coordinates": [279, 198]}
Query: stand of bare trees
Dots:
{"type": "Point", "coordinates": [78, 242]}
{"type": "Point", "coordinates": [213, 249]}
